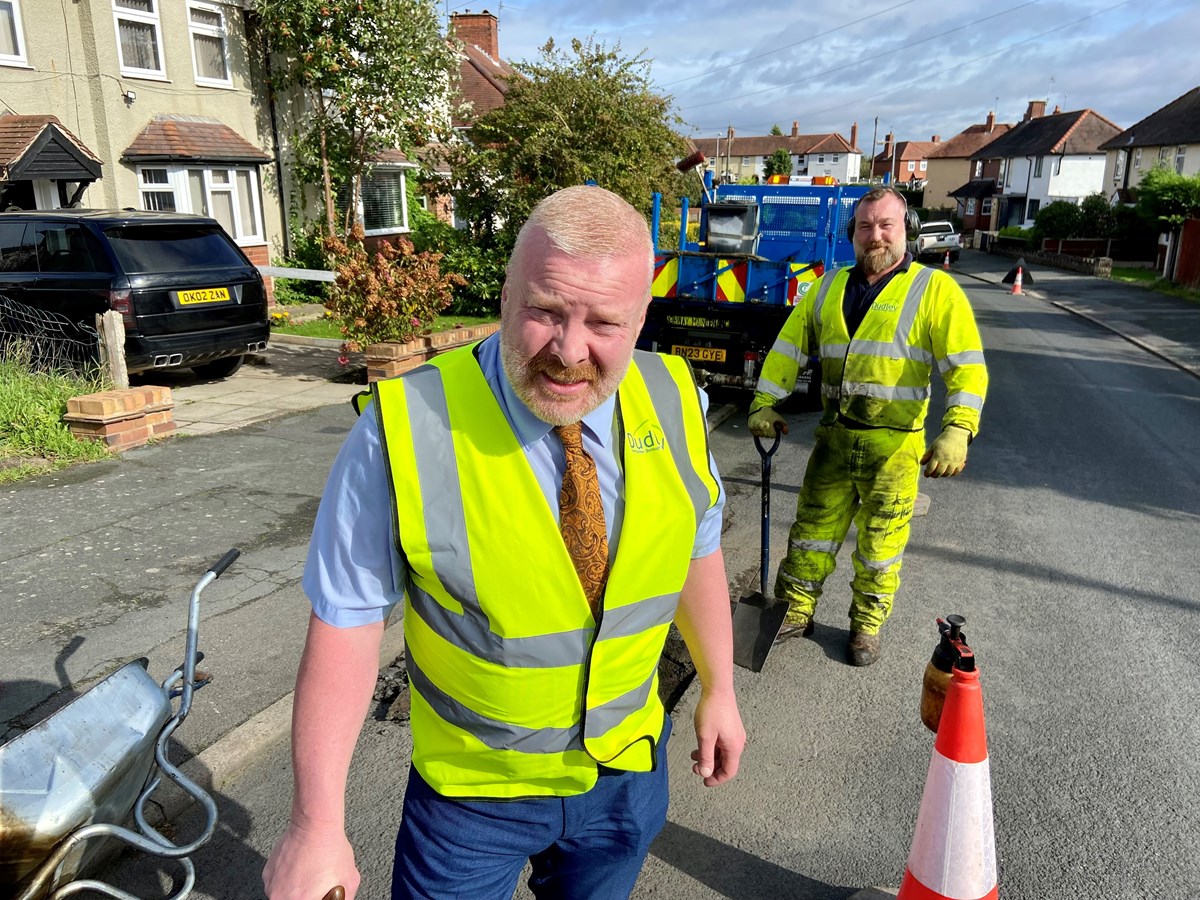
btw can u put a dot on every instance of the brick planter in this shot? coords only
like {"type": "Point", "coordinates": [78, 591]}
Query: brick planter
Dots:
{"type": "Point", "coordinates": [389, 359]}
{"type": "Point", "coordinates": [123, 418]}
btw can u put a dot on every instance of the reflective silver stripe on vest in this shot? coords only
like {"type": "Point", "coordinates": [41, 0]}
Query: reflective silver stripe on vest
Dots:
{"type": "Point", "coordinates": [769, 387]}
{"type": "Point", "coordinates": [602, 719]}
{"type": "Point", "coordinates": [668, 404]}
{"type": "Point", "coordinates": [965, 358]}
{"type": "Point", "coordinates": [788, 349]}
{"type": "Point", "coordinates": [819, 302]}
{"type": "Point", "coordinates": [885, 392]}
{"type": "Point", "coordinates": [491, 732]}
{"type": "Point", "coordinates": [899, 348]}
{"type": "Point", "coordinates": [470, 632]}
{"type": "Point", "coordinates": [634, 618]}
{"type": "Point", "coordinates": [834, 351]}
{"type": "Point", "coordinates": [964, 398]}
{"type": "Point", "coordinates": [437, 472]}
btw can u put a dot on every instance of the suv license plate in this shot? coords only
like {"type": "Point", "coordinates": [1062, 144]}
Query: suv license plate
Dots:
{"type": "Point", "coordinates": [203, 295]}
{"type": "Point", "coordinates": [700, 354]}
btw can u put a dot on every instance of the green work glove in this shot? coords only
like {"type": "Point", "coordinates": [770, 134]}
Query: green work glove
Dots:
{"type": "Point", "coordinates": [766, 423]}
{"type": "Point", "coordinates": [947, 455]}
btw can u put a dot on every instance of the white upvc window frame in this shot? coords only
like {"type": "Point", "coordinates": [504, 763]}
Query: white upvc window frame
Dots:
{"type": "Point", "coordinates": [154, 19]}
{"type": "Point", "coordinates": [924, 165]}
{"type": "Point", "coordinates": [20, 58]}
{"type": "Point", "coordinates": [220, 31]}
{"type": "Point", "coordinates": [177, 184]}
{"type": "Point", "coordinates": [360, 214]}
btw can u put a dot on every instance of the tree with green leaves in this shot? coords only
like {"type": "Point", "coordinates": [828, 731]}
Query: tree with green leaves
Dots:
{"type": "Point", "coordinates": [373, 75]}
{"type": "Point", "coordinates": [778, 163]}
{"type": "Point", "coordinates": [587, 114]}
{"type": "Point", "coordinates": [776, 131]}
{"type": "Point", "coordinates": [1168, 198]}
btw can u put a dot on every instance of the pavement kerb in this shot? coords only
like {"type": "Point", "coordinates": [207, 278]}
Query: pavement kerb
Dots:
{"type": "Point", "coordinates": [1133, 338]}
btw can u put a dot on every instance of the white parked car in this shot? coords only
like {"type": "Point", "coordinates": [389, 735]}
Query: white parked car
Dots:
{"type": "Point", "coordinates": [934, 241]}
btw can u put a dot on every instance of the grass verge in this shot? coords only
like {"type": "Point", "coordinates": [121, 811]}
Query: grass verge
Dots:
{"type": "Point", "coordinates": [33, 436]}
{"type": "Point", "coordinates": [327, 327]}
{"type": "Point", "coordinates": [1150, 279]}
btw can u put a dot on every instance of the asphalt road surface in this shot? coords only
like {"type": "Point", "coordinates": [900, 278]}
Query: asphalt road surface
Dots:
{"type": "Point", "coordinates": [1069, 546]}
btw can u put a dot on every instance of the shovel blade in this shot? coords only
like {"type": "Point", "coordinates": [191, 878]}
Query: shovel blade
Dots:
{"type": "Point", "coordinates": [756, 623]}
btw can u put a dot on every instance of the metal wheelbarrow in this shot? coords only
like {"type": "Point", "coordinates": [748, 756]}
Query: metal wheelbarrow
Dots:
{"type": "Point", "coordinates": [71, 782]}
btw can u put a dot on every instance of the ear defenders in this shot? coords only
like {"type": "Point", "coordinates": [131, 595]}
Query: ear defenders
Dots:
{"type": "Point", "coordinates": [882, 192]}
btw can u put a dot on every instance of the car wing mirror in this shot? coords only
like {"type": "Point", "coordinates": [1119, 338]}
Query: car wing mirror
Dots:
{"type": "Point", "coordinates": [912, 223]}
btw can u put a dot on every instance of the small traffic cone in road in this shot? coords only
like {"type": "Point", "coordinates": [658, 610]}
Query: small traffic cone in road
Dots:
{"type": "Point", "coordinates": [946, 261]}
{"type": "Point", "coordinates": [954, 848]}
{"type": "Point", "coordinates": [1016, 288]}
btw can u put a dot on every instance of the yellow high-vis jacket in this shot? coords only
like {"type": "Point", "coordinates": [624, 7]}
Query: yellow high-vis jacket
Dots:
{"type": "Point", "coordinates": [881, 376]}
{"type": "Point", "coordinates": [517, 689]}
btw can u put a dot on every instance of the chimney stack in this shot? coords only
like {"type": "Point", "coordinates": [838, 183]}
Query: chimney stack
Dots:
{"type": "Point", "coordinates": [991, 120]}
{"type": "Point", "coordinates": [1037, 109]}
{"type": "Point", "coordinates": [887, 145]}
{"type": "Point", "coordinates": [795, 128]}
{"type": "Point", "coordinates": [937, 138]}
{"type": "Point", "coordinates": [1057, 109]}
{"type": "Point", "coordinates": [854, 136]}
{"type": "Point", "coordinates": [477, 29]}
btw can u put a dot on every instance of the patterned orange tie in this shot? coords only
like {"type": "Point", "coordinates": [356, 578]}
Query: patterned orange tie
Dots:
{"type": "Point", "coordinates": [581, 515]}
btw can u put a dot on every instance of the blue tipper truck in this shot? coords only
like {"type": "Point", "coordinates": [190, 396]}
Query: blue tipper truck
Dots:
{"type": "Point", "coordinates": [721, 301]}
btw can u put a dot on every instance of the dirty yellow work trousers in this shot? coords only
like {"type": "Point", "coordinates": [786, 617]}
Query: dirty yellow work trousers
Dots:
{"type": "Point", "coordinates": [865, 476]}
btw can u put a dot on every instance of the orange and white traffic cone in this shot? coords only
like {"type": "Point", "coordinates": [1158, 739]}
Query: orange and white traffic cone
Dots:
{"type": "Point", "coordinates": [1017, 282]}
{"type": "Point", "coordinates": [946, 261]}
{"type": "Point", "coordinates": [954, 849]}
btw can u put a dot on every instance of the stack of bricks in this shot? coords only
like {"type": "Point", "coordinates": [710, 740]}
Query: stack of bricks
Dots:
{"type": "Point", "coordinates": [387, 360]}
{"type": "Point", "coordinates": [124, 418]}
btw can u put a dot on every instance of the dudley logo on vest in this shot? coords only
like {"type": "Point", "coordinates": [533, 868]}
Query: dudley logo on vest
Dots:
{"type": "Point", "coordinates": [646, 438]}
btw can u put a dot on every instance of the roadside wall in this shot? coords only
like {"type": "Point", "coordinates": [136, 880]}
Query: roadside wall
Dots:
{"type": "Point", "coordinates": [1099, 266]}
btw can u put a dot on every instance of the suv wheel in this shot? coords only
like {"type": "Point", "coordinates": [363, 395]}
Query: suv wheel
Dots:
{"type": "Point", "coordinates": [219, 368]}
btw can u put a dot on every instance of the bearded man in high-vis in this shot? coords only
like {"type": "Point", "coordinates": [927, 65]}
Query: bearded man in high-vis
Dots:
{"type": "Point", "coordinates": [545, 504]}
{"type": "Point", "coordinates": [878, 330]}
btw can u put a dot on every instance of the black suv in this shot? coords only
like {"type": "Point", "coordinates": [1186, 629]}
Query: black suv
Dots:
{"type": "Point", "coordinates": [187, 293]}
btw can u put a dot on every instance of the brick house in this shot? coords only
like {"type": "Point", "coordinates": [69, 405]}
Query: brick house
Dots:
{"type": "Point", "coordinates": [734, 158]}
{"type": "Point", "coordinates": [955, 181]}
{"type": "Point", "coordinates": [1168, 137]}
{"type": "Point", "coordinates": [906, 163]}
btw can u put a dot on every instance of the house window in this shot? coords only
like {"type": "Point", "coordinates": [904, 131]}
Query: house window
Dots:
{"type": "Point", "coordinates": [912, 165]}
{"type": "Point", "coordinates": [1037, 167]}
{"type": "Point", "coordinates": [985, 208]}
{"type": "Point", "coordinates": [1164, 154]}
{"type": "Point", "coordinates": [383, 206]}
{"type": "Point", "coordinates": [820, 157]}
{"type": "Point", "coordinates": [157, 191]}
{"type": "Point", "coordinates": [1119, 167]}
{"type": "Point", "coordinates": [231, 196]}
{"type": "Point", "coordinates": [835, 157]}
{"type": "Point", "coordinates": [1034, 206]}
{"type": "Point", "coordinates": [12, 41]}
{"type": "Point", "coordinates": [139, 38]}
{"type": "Point", "coordinates": [210, 57]}
{"type": "Point", "coordinates": [979, 168]}
{"type": "Point", "coordinates": [924, 165]}
{"type": "Point", "coordinates": [970, 206]}
{"type": "Point", "coordinates": [1180, 155]}
{"type": "Point", "coordinates": [1005, 172]}
{"type": "Point", "coordinates": [1137, 158]}
{"type": "Point", "coordinates": [745, 160]}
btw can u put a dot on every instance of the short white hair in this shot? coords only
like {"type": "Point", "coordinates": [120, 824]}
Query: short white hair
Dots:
{"type": "Point", "coordinates": [589, 222]}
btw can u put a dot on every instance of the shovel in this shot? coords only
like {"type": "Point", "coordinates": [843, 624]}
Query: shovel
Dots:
{"type": "Point", "coordinates": [758, 618]}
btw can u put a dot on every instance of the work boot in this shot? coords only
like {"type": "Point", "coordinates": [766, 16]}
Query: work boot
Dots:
{"type": "Point", "coordinates": [862, 649]}
{"type": "Point", "coordinates": [800, 626]}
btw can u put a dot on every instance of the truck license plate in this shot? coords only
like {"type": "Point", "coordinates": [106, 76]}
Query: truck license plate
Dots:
{"type": "Point", "coordinates": [203, 295]}
{"type": "Point", "coordinates": [700, 354]}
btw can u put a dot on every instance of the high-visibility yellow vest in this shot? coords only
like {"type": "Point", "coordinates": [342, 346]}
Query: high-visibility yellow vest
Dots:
{"type": "Point", "coordinates": [517, 690]}
{"type": "Point", "coordinates": [881, 376]}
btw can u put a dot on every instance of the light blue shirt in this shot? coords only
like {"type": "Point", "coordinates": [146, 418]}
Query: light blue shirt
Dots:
{"type": "Point", "coordinates": [354, 574]}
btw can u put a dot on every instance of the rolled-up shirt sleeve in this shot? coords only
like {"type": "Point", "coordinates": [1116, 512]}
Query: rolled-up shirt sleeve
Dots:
{"type": "Point", "coordinates": [353, 574]}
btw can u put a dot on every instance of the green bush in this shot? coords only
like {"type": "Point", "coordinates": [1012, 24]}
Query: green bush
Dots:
{"type": "Point", "coordinates": [1060, 219]}
{"type": "Point", "coordinates": [480, 271]}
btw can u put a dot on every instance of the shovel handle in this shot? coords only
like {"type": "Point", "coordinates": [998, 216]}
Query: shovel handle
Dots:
{"type": "Point", "coordinates": [766, 507]}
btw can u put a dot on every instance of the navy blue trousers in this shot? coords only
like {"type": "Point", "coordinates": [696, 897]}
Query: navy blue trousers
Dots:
{"type": "Point", "coordinates": [587, 847]}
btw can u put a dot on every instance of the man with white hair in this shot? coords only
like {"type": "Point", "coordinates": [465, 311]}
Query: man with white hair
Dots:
{"type": "Point", "coordinates": [546, 505]}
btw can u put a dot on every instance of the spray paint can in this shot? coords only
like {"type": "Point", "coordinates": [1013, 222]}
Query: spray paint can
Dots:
{"type": "Point", "coordinates": [951, 651]}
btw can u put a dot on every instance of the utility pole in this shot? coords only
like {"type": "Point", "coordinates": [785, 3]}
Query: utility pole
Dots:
{"type": "Point", "coordinates": [895, 143]}
{"type": "Point", "coordinates": [874, 141]}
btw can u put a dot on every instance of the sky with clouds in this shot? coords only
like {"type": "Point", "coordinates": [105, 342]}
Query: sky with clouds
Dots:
{"type": "Point", "coordinates": [922, 67]}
